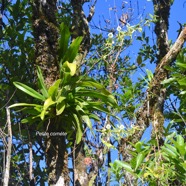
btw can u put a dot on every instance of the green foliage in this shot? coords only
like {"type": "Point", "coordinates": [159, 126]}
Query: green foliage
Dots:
{"type": "Point", "coordinates": [67, 53]}
{"type": "Point", "coordinates": [176, 86]}
{"type": "Point", "coordinates": [116, 169]}
{"type": "Point", "coordinates": [68, 97]}
{"type": "Point", "coordinates": [75, 96]}
{"type": "Point", "coordinates": [157, 165]}
{"type": "Point", "coordinates": [163, 165]}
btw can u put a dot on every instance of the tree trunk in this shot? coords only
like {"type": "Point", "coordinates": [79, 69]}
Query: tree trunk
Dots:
{"type": "Point", "coordinates": [80, 173]}
{"type": "Point", "coordinates": [80, 27]}
{"type": "Point", "coordinates": [57, 156]}
{"type": "Point", "coordinates": [45, 31]}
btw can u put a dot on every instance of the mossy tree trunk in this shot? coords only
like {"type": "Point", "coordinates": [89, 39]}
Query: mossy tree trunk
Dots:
{"type": "Point", "coordinates": [46, 33]}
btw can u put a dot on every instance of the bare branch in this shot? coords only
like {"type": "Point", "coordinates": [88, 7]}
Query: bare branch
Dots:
{"type": "Point", "coordinates": [9, 149]}
{"type": "Point", "coordinates": [30, 165]}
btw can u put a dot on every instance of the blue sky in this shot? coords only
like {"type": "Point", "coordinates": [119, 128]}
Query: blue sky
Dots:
{"type": "Point", "coordinates": [142, 8]}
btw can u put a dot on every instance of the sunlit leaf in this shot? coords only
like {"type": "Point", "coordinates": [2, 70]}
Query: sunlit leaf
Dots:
{"type": "Point", "coordinates": [41, 83]}
{"type": "Point", "coordinates": [110, 146]}
{"type": "Point", "coordinates": [24, 105]}
{"type": "Point", "coordinates": [149, 74]}
{"type": "Point", "coordinates": [138, 146]}
{"type": "Point", "coordinates": [139, 159]}
{"type": "Point", "coordinates": [47, 104]}
{"type": "Point", "coordinates": [86, 119]}
{"type": "Point", "coordinates": [71, 67]}
{"type": "Point", "coordinates": [72, 51]}
{"type": "Point", "coordinates": [182, 82]}
{"type": "Point", "coordinates": [29, 91]}
{"type": "Point", "coordinates": [95, 117]}
{"type": "Point", "coordinates": [170, 150]}
{"type": "Point", "coordinates": [181, 145]}
{"type": "Point", "coordinates": [124, 165]}
{"type": "Point", "coordinates": [167, 81]}
{"type": "Point", "coordinates": [60, 106]}
{"type": "Point", "coordinates": [52, 91]}
{"type": "Point", "coordinates": [183, 65]}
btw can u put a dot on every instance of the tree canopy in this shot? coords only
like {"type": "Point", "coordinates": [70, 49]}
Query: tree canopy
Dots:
{"type": "Point", "coordinates": [80, 92]}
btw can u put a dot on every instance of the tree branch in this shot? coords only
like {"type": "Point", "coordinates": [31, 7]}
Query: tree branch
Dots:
{"type": "Point", "coordinates": [80, 27]}
{"type": "Point", "coordinates": [9, 149]}
{"type": "Point", "coordinates": [142, 116]}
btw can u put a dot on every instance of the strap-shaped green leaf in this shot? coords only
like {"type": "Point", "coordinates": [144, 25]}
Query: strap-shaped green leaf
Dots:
{"type": "Point", "coordinates": [41, 83]}
{"type": "Point", "coordinates": [124, 165]}
{"type": "Point", "coordinates": [72, 51]}
{"type": "Point", "coordinates": [24, 105]}
{"type": "Point", "coordinates": [60, 106]}
{"type": "Point", "coordinates": [30, 119]}
{"type": "Point", "coordinates": [89, 82]}
{"type": "Point", "coordinates": [180, 145]}
{"type": "Point", "coordinates": [52, 91]}
{"type": "Point", "coordinates": [93, 116]}
{"type": "Point", "coordinates": [64, 40]}
{"type": "Point", "coordinates": [139, 159]}
{"type": "Point", "coordinates": [182, 81]}
{"type": "Point", "coordinates": [47, 104]}
{"type": "Point", "coordinates": [79, 128]}
{"type": "Point", "coordinates": [170, 150]}
{"type": "Point", "coordinates": [183, 65]}
{"type": "Point", "coordinates": [108, 99]}
{"type": "Point", "coordinates": [86, 119]}
{"type": "Point", "coordinates": [29, 91]}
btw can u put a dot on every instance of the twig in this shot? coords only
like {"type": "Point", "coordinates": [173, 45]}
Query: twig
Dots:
{"type": "Point", "coordinates": [9, 99]}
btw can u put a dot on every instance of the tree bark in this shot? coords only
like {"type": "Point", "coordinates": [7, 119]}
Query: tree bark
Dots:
{"type": "Point", "coordinates": [158, 94]}
{"type": "Point", "coordinates": [80, 173]}
{"type": "Point", "coordinates": [57, 156]}
{"type": "Point", "coordinates": [46, 33]}
{"type": "Point", "coordinates": [80, 27]}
